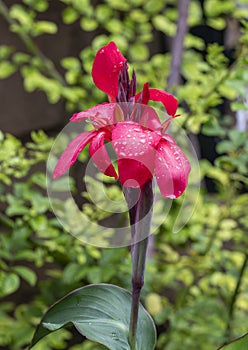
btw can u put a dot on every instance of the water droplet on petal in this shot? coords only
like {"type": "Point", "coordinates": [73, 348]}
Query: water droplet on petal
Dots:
{"type": "Point", "coordinates": [143, 141]}
{"type": "Point", "coordinates": [114, 336]}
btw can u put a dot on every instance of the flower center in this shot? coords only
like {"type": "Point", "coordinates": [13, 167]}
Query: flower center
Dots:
{"type": "Point", "coordinates": [126, 87]}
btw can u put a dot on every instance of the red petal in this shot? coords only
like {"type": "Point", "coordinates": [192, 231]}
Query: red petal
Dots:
{"type": "Point", "coordinates": [169, 101]}
{"type": "Point", "coordinates": [71, 153]}
{"type": "Point", "coordinates": [135, 148]}
{"type": "Point", "coordinates": [172, 169]}
{"type": "Point", "coordinates": [145, 94]}
{"type": "Point", "coordinates": [102, 111]}
{"type": "Point", "coordinates": [107, 64]}
{"type": "Point", "coordinates": [133, 173]}
{"type": "Point", "coordinates": [149, 119]}
{"type": "Point", "coordinates": [100, 155]}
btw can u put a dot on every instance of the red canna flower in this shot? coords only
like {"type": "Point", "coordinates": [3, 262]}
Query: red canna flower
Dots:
{"type": "Point", "coordinates": [138, 138]}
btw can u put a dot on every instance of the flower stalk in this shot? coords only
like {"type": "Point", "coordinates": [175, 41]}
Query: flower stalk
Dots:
{"type": "Point", "coordinates": [140, 220]}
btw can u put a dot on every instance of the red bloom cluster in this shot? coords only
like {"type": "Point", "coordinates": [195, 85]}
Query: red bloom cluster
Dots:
{"type": "Point", "coordinates": [138, 138]}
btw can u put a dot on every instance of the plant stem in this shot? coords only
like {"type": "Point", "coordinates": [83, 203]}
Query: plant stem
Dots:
{"type": "Point", "coordinates": [140, 219]}
{"type": "Point", "coordinates": [139, 260]}
{"type": "Point", "coordinates": [177, 49]}
{"type": "Point", "coordinates": [235, 296]}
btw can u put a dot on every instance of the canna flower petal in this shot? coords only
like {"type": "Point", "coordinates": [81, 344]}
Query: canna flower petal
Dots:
{"type": "Point", "coordinates": [103, 112]}
{"type": "Point", "coordinates": [145, 94]}
{"type": "Point", "coordinates": [149, 118]}
{"type": "Point", "coordinates": [169, 101]}
{"type": "Point", "coordinates": [106, 67]}
{"type": "Point", "coordinates": [145, 116]}
{"type": "Point", "coordinates": [133, 173]}
{"type": "Point", "coordinates": [71, 153]}
{"type": "Point", "coordinates": [135, 148]}
{"type": "Point", "coordinates": [100, 155]}
{"type": "Point", "coordinates": [171, 168]}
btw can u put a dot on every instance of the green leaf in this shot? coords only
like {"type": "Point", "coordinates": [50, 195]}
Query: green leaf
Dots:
{"type": "Point", "coordinates": [22, 15]}
{"type": "Point", "coordinates": [42, 27]}
{"type": "Point", "coordinates": [119, 5]}
{"type": "Point", "coordinates": [88, 24]}
{"type": "Point", "coordinates": [153, 7]}
{"type": "Point", "coordinates": [101, 313]}
{"type": "Point", "coordinates": [27, 274]}
{"type": "Point", "coordinates": [114, 26]}
{"type": "Point", "coordinates": [217, 23]}
{"type": "Point", "coordinates": [70, 15]}
{"type": "Point", "coordinates": [238, 344]}
{"type": "Point", "coordinates": [6, 69]}
{"type": "Point", "coordinates": [162, 23]}
{"type": "Point", "coordinates": [5, 51]}
{"type": "Point", "coordinates": [139, 52]}
{"type": "Point", "coordinates": [238, 137]}
{"type": "Point", "coordinates": [70, 63]}
{"type": "Point", "coordinates": [33, 80]}
{"type": "Point", "coordinates": [38, 5]}
{"type": "Point", "coordinates": [9, 283]}
{"type": "Point", "coordinates": [103, 13]}
{"type": "Point", "coordinates": [72, 273]}
{"type": "Point", "coordinates": [20, 58]}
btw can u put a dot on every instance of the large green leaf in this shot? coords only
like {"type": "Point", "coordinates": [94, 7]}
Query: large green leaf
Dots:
{"type": "Point", "coordinates": [101, 313]}
{"type": "Point", "coordinates": [238, 344]}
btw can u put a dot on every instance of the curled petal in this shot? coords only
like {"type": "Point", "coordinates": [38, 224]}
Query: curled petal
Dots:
{"type": "Point", "coordinates": [106, 67]}
{"type": "Point", "coordinates": [169, 101]}
{"type": "Point", "coordinates": [103, 112]}
{"type": "Point", "coordinates": [71, 153]}
{"type": "Point", "coordinates": [100, 155]}
{"type": "Point", "coordinates": [171, 168]}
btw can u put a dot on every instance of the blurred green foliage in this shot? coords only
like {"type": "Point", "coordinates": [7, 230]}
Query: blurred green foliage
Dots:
{"type": "Point", "coordinates": [196, 281]}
